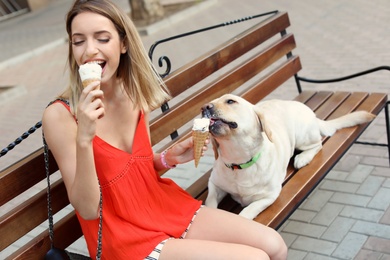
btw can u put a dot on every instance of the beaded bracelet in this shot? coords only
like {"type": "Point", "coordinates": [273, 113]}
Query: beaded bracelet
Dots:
{"type": "Point", "coordinates": [166, 165]}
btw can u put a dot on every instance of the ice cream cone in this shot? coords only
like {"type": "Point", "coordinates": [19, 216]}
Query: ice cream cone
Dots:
{"type": "Point", "coordinates": [89, 81]}
{"type": "Point", "coordinates": [200, 132]}
{"type": "Point", "coordinates": [90, 72]}
{"type": "Point", "coordinates": [199, 138]}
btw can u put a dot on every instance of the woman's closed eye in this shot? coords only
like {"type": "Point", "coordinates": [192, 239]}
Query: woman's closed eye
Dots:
{"type": "Point", "coordinates": [77, 43]}
{"type": "Point", "coordinates": [80, 42]}
{"type": "Point", "coordinates": [106, 40]}
{"type": "Point", "coordinates": [77, 40]}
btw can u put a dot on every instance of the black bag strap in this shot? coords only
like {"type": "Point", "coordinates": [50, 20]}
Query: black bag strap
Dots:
{"type": "Point", "coordinates": [55, 253]}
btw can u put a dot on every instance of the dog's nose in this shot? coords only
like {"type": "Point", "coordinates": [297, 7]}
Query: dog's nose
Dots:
{"type": "Point", "coordinates": [206, 110]}
{"type": "Point", "coordinates": [208, 106]}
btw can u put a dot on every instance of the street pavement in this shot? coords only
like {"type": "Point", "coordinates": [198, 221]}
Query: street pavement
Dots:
{"type": "Point", "coordinates": [348, 215]}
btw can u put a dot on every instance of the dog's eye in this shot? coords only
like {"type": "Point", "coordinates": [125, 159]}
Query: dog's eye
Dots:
{"type": "Point", "coordinates": [230, 101]}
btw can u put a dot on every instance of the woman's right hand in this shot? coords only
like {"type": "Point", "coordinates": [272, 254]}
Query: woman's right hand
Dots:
{"type": "Point", "coordinates": [89, 110]}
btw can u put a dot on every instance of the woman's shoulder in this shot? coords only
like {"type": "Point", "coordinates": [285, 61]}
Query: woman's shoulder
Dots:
{"type": "Point", "coordinates": [56, 111]}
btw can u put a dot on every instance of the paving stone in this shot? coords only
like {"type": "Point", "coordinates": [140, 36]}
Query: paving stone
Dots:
{"type": "Point", "coordinates": [338, 229]}
{"type": "Point", "coordinates": [303, 215]}
{"type": "Point", "coordinates": [360, 173]}
{"type": "Point", "coordinates": [381, 171]}
{"type": "Point", "coordinates": [362, 213]}
{"type": "Point", "coordinates": [296, 254]}
{"type": "Point", "coordinates": [312, 256]}
{"type": "Point", "coordinates": [347, 162]}
{"type": "Point", "coordinates": [314, 245]}
{"type": "Point", "coordinates": [367, 254]}
{"type": "Point", "coordinates": [351, 199]}
{"type": "Point", "coordinates": [79, 247]}
{"type": "Point", "coordinates": [339, 186]}
{"type": "Point", "coordinates": [306, 229]}
{"type": "Point", "coordinates": [372, 229]}
{"type": "Point", "coordinates": [317, 200]}
{"type": "Point", "coordinates": [381, 200]}
{"type": "Point", "coordinates": [372, 150]}
{"type": "Point", "coordinates": [370, 186]}
{"type": "Point", "coordinates": [375, 161]}
{"type": "Point", "coordinates": [350, 246]}
{"type": "Point", "coordinates": [386, 184]}
{"type": "Point", "coordinates": [288, 238]}
{"type": "Point", "coordinates": [378, 244]}
{"type": "Point", "coordinates": [337, 175]}
{"type": "Point", "coordinates": [386, 217]}
{"type": "Point", "coordinates": [385, 257]}
{"type": "Point", "coordinates": [327, 214]}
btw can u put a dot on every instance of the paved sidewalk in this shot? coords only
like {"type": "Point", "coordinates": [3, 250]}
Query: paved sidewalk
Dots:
{"type": "Point", "coordinates": [348, 215]}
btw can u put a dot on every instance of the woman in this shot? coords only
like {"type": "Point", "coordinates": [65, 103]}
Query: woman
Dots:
{"type": "Point", "coordinates": [101, 140]}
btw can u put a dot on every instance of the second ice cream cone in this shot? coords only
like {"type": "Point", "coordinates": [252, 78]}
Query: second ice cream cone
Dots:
{"type": "Point", "coordinates": [200, 132]}
{"type": "Point", "coordinates": [199, 138]}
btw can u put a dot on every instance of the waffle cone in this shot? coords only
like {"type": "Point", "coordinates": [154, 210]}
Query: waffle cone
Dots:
{"type": "Point", "coordinates": [199, 138]}
{"type": "Point", "coordinates": [86, 82]}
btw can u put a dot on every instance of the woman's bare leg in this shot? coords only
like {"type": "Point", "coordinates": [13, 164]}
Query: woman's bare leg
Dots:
{"type": "Point", "coordinates": [217, 233]}
{"type": "Point", "coordinates": [191, 249]}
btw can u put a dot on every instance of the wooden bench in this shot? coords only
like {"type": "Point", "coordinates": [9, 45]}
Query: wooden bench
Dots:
{"type": "Point", "coordinates": [268, 48]}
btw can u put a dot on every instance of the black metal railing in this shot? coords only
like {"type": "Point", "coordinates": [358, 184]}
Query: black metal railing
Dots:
{"type": "Point", "coordinates": [166, 59]}
{"type": "Point", "coordinates": [299, 79]}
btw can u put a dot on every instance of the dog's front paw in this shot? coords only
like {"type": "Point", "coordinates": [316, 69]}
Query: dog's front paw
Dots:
{"type": "Point", "coordinates": [301, 160]}
{"type": "Point", "coordinates": [306, 156]}
{"type": "Point", "coordinates": [248, 213]}
{"type": "Point", "coordinates": [211, 203]}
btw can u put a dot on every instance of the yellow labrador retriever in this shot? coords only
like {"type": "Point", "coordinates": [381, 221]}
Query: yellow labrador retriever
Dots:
{"type": "Point", "coordinates": [254, 143]}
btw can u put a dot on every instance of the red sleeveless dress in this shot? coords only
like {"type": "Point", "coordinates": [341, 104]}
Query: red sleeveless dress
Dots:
{"type": "Point", "coordinates": [140, 209]}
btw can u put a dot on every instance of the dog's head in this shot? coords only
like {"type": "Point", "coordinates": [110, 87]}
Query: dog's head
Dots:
{"type": "Point", "coordinates": [232, 117]}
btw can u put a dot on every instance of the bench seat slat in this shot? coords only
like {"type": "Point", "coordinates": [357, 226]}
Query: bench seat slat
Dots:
{"type": "Point", "coordinates": [318, 99]}
{"type": "Point", "coordinates": [306, 178]}
{"type": "Point", "coordinates": [333, 102]}
{"type": "Point", "coordinates": [296, 188]}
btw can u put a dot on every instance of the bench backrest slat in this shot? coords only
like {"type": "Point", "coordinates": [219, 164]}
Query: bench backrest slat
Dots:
{"type": "Point", "coordinates": [22, 175]}
{"type": "Point", "coordinates": [205, 65]}
{"type": "Point", "coordinates": [180, 114]}
{"type": "Point", "coordinates": [275, 78]}
{"type": "Point", "coordinates": [31, 213]}
{"type": "Point", "coordinates": [67, 230]}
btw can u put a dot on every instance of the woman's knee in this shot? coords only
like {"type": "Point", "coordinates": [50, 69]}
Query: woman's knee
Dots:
{"type": "Point", "coordinates": [277, 247]}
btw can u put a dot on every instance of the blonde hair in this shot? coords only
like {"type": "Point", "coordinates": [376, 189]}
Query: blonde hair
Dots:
{"type": "Point", "coordinates": [144, 87]}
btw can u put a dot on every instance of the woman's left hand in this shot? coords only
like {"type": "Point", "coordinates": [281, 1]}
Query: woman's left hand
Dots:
{"type": "Point", "coordinates": [183, 152]}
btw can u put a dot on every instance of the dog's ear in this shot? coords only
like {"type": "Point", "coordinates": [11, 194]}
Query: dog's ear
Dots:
{"type": "Point", "coordinates": [263, 125]}
{"type": "Point", "coordinates": [215, 147]}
